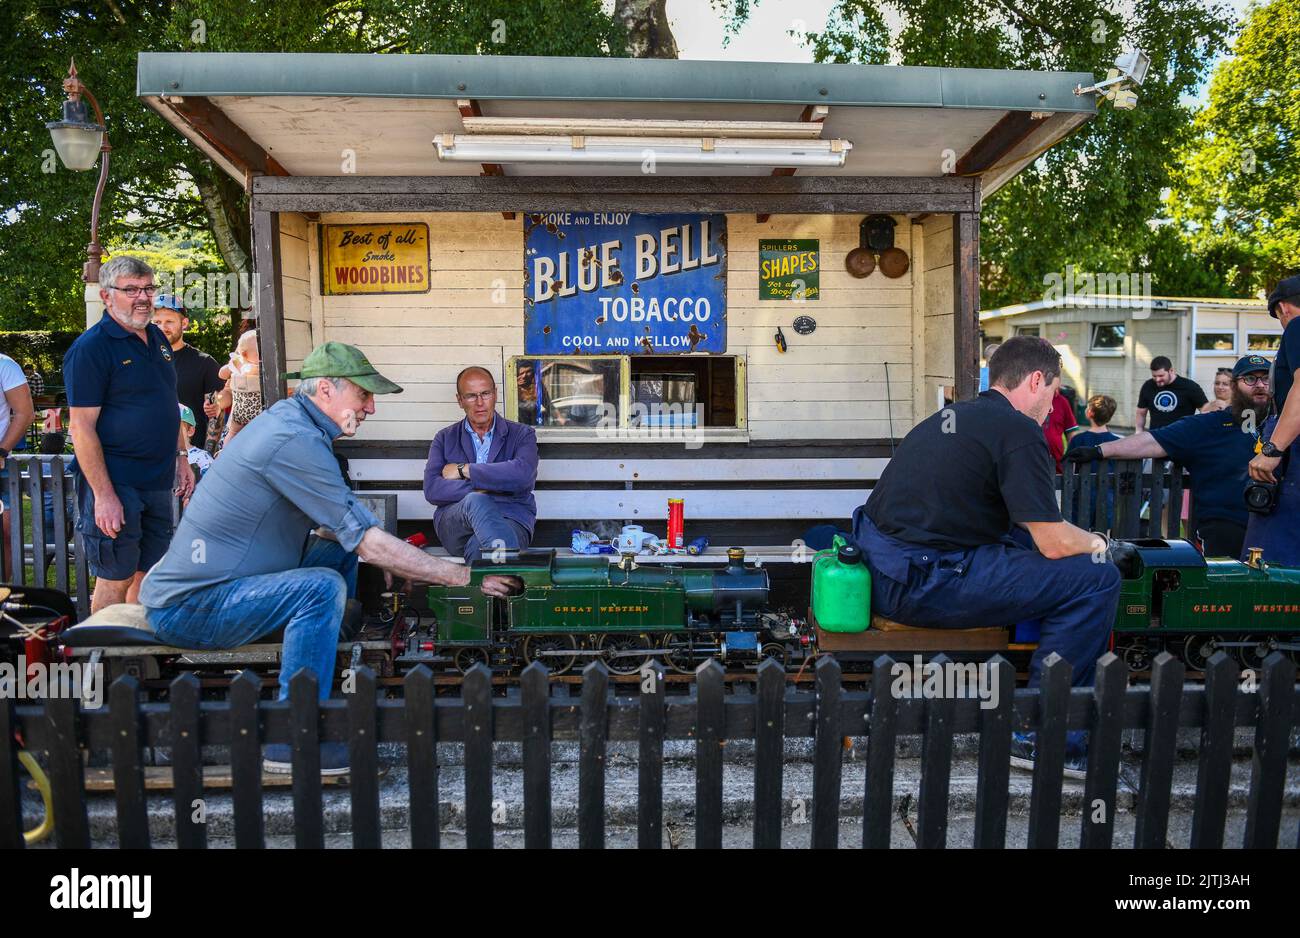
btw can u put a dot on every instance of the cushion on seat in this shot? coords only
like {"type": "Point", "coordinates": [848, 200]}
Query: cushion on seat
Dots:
{"type": "Point", "coordinates": [881, 624]}
{"type": "Point", "coordinates": [119, 624]}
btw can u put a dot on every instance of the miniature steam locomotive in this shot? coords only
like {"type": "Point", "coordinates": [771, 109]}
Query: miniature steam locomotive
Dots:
{"type": "Point", "coordinates": [575, 609]}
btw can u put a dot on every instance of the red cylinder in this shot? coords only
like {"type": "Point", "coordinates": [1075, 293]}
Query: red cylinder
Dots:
{"type": "Point", "coordinates": [676, 522]}
{"type": "Point", "coordinates": [417, 539]}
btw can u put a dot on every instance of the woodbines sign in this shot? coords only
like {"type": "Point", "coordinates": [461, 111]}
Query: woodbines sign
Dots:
{"type": "Point", "coordinates": [623, 283]}
{"type": "Point", "coordinates": [392, 258]}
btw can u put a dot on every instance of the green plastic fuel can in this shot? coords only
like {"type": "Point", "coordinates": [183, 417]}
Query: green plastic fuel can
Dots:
{"type": "Point", "coordinates": [841, 589]}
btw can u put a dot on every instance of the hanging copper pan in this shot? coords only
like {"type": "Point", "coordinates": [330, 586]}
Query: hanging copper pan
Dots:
{"type": "Point", "coordinates": [894, 262]}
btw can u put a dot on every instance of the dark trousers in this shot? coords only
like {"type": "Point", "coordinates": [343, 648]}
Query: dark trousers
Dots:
{"type": "Point", "coordinates": [1221, 537]}
{"type": "Point", "coordinates": [1075, 599]}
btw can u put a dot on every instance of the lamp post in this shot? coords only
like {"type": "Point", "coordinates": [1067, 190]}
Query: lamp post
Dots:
{"type": "Point", "coordinates": [79, 142]}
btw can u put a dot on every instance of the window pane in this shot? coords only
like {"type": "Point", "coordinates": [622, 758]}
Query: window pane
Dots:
{"type": "Point", "coordinates": [1215, 342]}
{"type": "Point", "coordinates": [1108, 335]}
{"type": "Point", "coordinates": [1263, 341]}
{"type": "Point", "coordinates": [573, 392]}
{"type": "Point", "coordinates": [1027, 330]}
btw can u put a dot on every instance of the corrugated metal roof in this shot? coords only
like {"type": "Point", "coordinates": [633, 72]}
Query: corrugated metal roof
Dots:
{"type": "Point", "coordinates": [599, 79]}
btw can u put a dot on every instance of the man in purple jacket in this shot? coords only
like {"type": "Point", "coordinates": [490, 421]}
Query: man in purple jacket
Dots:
{"type": "Point", "coordinates": [481, 473]}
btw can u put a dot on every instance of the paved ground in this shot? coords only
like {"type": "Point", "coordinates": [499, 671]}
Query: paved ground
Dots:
{"type": "Point", "coordinates": [679, 792]}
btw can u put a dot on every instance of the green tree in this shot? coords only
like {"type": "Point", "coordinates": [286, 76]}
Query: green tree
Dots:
{"type": "Point", "coordinates": [1089, 199]}
{"type": "Point", "coordinates": [1236, 181]}
{"type": "Point", "coordinates": [158, 181]}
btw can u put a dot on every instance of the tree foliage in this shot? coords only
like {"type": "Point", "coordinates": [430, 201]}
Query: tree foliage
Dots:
{"type": "Point", "coordinates": [158, 181]}
{"type": "Point", "coordinates": [1090, 199]}
{"type": "Point", "coordinates": [1236, 181]}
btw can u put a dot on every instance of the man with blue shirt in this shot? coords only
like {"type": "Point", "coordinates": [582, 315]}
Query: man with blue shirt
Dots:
{"type": "Point", "coordinates": [481, 473]}
{"type": "Point", "coordinates": [1277, 532]}
{"type": "Point", "coordinates": [1216, 448]}
{"type": "Point", "coordinates": [245, 563]}
{"type": "Point", "coordinates": [126, 433]}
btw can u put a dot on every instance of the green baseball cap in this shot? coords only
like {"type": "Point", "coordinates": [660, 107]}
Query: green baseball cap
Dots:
{"type": "Point", "coordinates": [337, 360]}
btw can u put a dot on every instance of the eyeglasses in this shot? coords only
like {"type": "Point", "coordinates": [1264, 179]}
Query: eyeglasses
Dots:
{"type": "Point", "coordinates": [133, 292]}
{"type": "Point", "coordinates": [1251, 380]}
{"type": "Point", "coordinates": [479, 397]}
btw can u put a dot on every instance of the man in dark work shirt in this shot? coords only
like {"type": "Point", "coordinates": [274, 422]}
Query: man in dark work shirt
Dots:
{"type": "Point", "coordinates": [196, 372]}
{"type": "Point", "coordinates": [963, 529]}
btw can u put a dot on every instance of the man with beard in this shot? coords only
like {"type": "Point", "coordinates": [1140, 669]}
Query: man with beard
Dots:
{"type": "Point", "coordinates": [196, 372]}
{"type": "Point", "coordinates": [126, 432]}
{"type": "Point", "coordinates": [1216, 448]}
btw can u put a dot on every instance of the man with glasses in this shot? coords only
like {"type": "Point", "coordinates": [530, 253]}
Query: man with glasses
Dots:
{"type": "Point", "coordinates": [481, 473]}
{"type": "Point", "coordinates": [245, 562]}
{"type": "Point", "coordinates": [126, 433]}
{"type": "Point", "coordinates": [1216, 447]}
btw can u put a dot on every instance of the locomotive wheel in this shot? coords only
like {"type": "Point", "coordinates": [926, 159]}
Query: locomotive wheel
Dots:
{"type": "Point", "coordinates": [775, 650]}
{"type": "Point", "coordinates": [466, 658]}
{"type": "Point", "coordinates": [615, 646]}
{"type": "Point", "coordinates": [1198, 649]}
{"type": "Point", "coordinates": [679, 661]}
{"type": "Point", "coordinates": [1252, 656]}
{"type": "Point", "coordinates": [1137, 656]}
{"type": "Point", "coordinates": [557, 664]}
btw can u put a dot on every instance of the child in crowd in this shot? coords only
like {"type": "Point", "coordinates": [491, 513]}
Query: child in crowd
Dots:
{"type": "Point", "coordinates": [1101, 408]}
{"type": "Point", "coordinates": [244, 374]}
{"type": "Point", "coordinates": [200, 459]}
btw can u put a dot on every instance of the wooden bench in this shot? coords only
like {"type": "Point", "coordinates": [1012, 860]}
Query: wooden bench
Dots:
{"type": "Point", "coordinates": [722, 496]}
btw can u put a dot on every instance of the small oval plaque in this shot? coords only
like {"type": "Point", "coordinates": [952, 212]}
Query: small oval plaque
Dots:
{"type": "Point", "coordinates": [805, 325]}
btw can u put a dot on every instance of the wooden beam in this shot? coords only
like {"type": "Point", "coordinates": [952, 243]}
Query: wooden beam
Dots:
{"type": "Point", "coordinates": [1006, 135]}
{"type": "Point", "coordinates": [270, 304]}
{"type": "Point", "coordinates": [469, 107]}
{"type": "Point", "coordinates": [225, 136]}
{"type": "Point", "coordinates": [772, 194]}
{"type": "Point", "coordinates": [966, 303]}
{"type": "Point", "coordinates": [812, 114]}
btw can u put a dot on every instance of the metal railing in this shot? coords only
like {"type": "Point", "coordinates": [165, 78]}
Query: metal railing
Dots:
{"type": "Point", "coordinates": [827, 712]}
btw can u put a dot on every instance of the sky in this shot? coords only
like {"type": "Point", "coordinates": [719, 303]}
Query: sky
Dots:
{"type": "Point", "coordinates": [765, 37]}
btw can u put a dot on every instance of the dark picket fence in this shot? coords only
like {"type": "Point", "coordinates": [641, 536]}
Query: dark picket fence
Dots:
{"type": "Point", "coordinates": [43, 527]}
{"type": "Point", "coordinates": [827, 711]}
{"type": "Point", "coordinates": [1109, 496]}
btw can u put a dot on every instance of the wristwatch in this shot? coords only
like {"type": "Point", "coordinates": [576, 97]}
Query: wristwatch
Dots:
{"type": "Point", "coordinates": [1269, 450]}
{"type": "Point", "coordinates": [181, 452]}
{"type": "Point", "coordinates": [460, 471]}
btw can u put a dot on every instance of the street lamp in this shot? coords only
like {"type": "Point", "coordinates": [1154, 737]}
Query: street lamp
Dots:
{"type": "Point", "coordinates": [79, 142]}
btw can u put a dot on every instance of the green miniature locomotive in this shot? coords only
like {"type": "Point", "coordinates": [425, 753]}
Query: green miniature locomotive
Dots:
{"type": "Point", "coordinates": [573, 610]}
{"type": "Point", "coordinates": [1174, 599]}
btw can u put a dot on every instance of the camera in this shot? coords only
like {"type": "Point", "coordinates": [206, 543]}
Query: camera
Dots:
{"type": "Point", "coordinates": [1261, 497]}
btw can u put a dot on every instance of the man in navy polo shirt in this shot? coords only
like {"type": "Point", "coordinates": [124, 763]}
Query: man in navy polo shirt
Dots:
{"type": "Point", "coordinates": [1216, 448]}
{"type": "Point", "coordinates": [125, 425]}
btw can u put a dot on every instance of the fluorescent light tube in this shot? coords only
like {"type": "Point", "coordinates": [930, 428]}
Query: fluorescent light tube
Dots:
{"type": "Point", "coordinates": [666, 151]}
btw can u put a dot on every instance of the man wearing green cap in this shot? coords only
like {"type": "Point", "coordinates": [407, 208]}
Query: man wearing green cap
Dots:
{"type": "Point", "coordinates": [244, 562]}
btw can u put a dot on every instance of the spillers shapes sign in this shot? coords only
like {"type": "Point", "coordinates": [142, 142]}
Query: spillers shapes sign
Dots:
{"type": "Point", "coordinates": [623, 283]}
{"type": "Point", "coordinates": [391, 258]}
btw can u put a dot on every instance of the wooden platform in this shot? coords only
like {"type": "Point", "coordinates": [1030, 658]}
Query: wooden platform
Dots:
{"type": "Point", "coordinates": [885, 635]}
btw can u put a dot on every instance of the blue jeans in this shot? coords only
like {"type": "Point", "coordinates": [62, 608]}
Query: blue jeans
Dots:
{"type": "Point", "coordinates": [475, 523]}
{"type": "Point", "coordinates": [307, 603]}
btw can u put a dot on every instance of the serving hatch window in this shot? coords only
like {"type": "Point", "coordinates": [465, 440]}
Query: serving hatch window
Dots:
{"type": "Point", "coordinates": [1263, 341]}
{"type": "Point", "coordinates": [1215, 341]}
{"type": "Point", "coordinates": [1108, 337]}
{"type": "Point", "coordinates": [643, 392]}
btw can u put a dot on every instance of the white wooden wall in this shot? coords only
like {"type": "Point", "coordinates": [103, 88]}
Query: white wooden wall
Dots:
{"type": "Point", "coordinates": [936, 279]}
{"type": "Point", "coordinates": [830, 385]}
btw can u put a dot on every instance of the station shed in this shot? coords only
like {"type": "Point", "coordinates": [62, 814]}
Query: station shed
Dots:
{"type": "Point", "coordinates": [1107, 341]}
{"type": "Point", "coordinates": [509, 212]}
